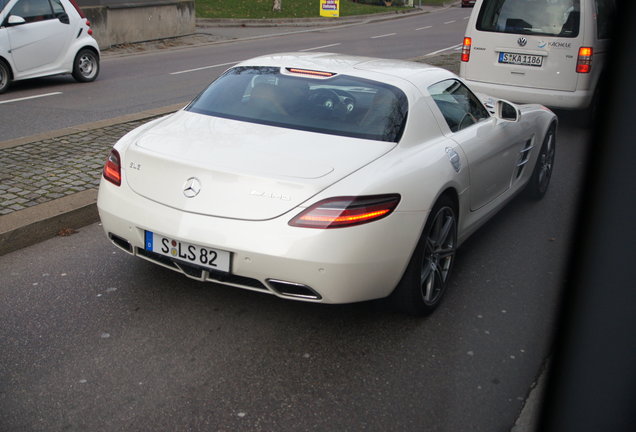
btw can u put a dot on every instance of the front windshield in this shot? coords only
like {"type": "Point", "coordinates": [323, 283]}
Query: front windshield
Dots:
{"type": "Point", "coordinates": [338, 105]}
{"type": "Point", "coordinates": [540, 17]}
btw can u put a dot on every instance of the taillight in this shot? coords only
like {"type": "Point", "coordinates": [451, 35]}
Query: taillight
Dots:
{"type": "Point", "coordinates": [112, 168]}
{"type": "Point", "coordinates": [343, 212]}
{"type": "Point", "coordinates": [466, 49]}
{"type": "Point", "coordinates": [584, 61]}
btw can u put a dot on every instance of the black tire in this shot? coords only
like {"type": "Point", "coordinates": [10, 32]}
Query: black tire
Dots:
{"type": "Point", "coordinates": [5, 76]}
{"type": "Point", "coordinates": [540, 180]}
{"type": "Point", "coordinates": [426, 277]}
{"type": "Point", "coordinates": [86, 65]}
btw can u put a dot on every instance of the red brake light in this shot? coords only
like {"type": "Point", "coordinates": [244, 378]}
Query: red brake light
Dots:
{"type": "Point", "coordinates": [311, 72]}
{"type": "Point", "coordinates": [346, 211]}
{"type": "Point", "coordinates": [584, 61]}
{"type": "Point", "coordinates": [112, 168]}
{"type": "Point", "coordinates": [468, 42]}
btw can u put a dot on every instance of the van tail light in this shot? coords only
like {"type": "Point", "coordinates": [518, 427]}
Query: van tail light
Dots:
{"type": "Point", "coordinates": [112, 168]}
{"type": "Point", "coordinates": [343, 212]}
{"type": "Point", "coordinates": [584, 61]}
{"type": "Point", "coordinates": [468, 42]}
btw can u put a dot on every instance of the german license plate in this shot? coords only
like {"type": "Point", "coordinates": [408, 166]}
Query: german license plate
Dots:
{"type": "Point", "coordinates": [520, 59]}
{"type": "Point", "coordinates": [202, 256]}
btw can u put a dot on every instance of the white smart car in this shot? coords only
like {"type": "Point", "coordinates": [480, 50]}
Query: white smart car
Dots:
{"type": "Point", "coordinates": [324, 178]}
{"type": "Point", "coordinates": [45, 37]}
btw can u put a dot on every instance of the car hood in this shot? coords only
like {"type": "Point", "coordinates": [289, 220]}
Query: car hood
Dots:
{"type": "Point", "coordinates": [240, 170]}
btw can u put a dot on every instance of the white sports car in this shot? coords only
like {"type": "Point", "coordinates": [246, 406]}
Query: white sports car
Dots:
{"type": "Point", "coordinates": [324, 178]}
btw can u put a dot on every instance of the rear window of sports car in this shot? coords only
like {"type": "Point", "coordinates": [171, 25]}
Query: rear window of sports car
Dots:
{"type": "Point", "coordinates": [340, 105]}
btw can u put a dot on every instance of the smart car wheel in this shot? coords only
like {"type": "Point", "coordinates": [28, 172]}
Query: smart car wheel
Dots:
{"type": "Point", "coordinates": [5, 77]}
{"type": "Point", "coordinates": [86, 66]}
{"type": "Point", "coordinates": [426, 277]}
{"type": "Point", "coordinates": [540, 180]}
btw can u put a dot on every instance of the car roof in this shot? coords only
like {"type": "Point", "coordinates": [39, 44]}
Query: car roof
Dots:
{"type": "Point", "coordinates": [388, 70]}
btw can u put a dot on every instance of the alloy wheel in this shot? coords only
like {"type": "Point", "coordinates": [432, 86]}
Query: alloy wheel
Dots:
{"type": "Point", "coordinates": [439, 252]}
{"type": "Point", "coordinates": [545, 162]}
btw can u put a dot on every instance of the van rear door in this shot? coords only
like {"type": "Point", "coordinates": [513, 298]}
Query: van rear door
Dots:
{"type": "Point", "coordinates": [525, 43]}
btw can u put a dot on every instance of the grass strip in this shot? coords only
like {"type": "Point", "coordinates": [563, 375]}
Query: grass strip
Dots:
{"type": "Point", "coordinates": [259, 9]}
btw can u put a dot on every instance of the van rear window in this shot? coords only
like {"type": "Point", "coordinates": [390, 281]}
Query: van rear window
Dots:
{"type": "Point", "coordinates": [533, 17]}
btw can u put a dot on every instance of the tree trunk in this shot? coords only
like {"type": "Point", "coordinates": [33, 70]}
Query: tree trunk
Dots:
{"type": "Point", "coordinates": [277, 6]}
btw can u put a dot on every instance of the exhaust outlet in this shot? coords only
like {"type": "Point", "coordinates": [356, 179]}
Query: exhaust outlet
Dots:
{"type": "Point", "coordinates": [293, 290]}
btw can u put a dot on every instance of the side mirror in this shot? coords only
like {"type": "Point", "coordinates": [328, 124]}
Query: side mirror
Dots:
{"type": "Point", "coordinates": [15, 20]}
{"type": "Point", "coordinates": [64, 18]}
{"type": "Point", "coordinates": [507, 111]}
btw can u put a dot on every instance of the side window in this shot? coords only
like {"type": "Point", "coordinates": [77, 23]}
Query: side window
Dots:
{"type": "Point", "coordinates": [58, 9]}
{"type": "Point", "coordinates": [605, 11]}
{"type": "Point", "coordinates": [459, 106]}
{"type": "Point", "coordinates": [33, 10]}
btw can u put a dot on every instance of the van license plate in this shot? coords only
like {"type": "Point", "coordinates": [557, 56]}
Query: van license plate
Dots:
{"type": "Point", "coordinates": [209, 258]}
{"type": "Point", "coordinates": [520, 59]}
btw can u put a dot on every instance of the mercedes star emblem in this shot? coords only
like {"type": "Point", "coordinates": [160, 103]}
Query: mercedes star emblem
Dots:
{"type": "Point", "coordinates": [192, 187]}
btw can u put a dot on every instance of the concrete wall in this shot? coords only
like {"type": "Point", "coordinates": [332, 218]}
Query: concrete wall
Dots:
{"type": "Point", "coordinates": [119, 22]}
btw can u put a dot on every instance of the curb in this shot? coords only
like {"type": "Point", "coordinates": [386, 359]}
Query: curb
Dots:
{"type": "Point", "coordinates": [35, 224]}
{"type": "Point", "coordinates": [528, 419]}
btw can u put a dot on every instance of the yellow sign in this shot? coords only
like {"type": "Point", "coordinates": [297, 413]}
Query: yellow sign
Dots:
{"type": "Point", "coordinates": [330, 8]}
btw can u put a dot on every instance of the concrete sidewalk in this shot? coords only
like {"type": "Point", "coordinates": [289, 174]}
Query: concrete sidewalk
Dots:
{"type": "Point", "coordinates": [48, 182]}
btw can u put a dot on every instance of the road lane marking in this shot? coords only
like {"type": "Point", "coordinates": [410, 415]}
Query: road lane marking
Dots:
{"type": "Point", "coordinates": [449, 22]}
{"type": "Point", "coordinates": [424, 28]}
{"type": "Point", "coordinates": [205, 67]}
{"type": "Point", "coordinates": [384, 35]}
{"type": "Point", "coordinates": [444, 49]}
{"type": "Point", "coordinates": [321, 47]}
{"type": "Point", "coordinates": [30, 97]}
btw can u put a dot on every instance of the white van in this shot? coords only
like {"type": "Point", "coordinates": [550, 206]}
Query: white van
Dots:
{"type": "Point", "coordinates": [537, 51]}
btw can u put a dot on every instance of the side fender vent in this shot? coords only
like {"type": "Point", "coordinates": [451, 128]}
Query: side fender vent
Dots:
{"type": "Point", "coordinates": [523, 157]}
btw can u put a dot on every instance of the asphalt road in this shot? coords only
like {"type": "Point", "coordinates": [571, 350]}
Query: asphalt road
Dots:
{"type": "Point", "coordinates": [130, 84]}
{"type": "Point", "coordinates": [93, 339]}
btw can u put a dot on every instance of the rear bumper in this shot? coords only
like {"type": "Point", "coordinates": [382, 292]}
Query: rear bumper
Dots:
{"type": "Point", "coordinates": [579, 99]}
{"type": "Point", "coordinates": [340, 265]}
